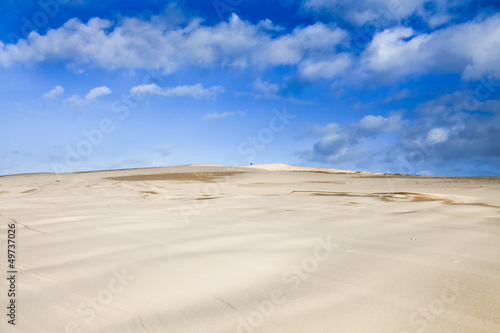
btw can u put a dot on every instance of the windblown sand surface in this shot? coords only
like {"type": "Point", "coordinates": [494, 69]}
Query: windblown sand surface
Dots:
{"type": "Point", "coordinates": [268, 248]}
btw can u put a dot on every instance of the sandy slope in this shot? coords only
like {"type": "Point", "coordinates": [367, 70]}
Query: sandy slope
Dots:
{"type": "Point", "coordinates": [268, 248]}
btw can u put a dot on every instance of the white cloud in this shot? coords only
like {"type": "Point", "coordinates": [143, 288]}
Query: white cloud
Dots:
{"type": "Point", "coordinates": [91, 97]}
{"type": "Point", "coordinates": [75, 101]}
{"type": "Point", "coordinates": [392, 54]}
{"type": "Point", "coordinates": [313, 40]}
{"type": "Point", "coordinates": [54, 93]}
{"type": "Point", "coordinates": [379, 124]}
{"type": "Point", "coordinates": [196, 90]}
{"type": "Point", "coordinates": [471, 49]}
{"type": "Point", "coordinates": [437, 135]}
{"type": "Point", "coordinates": [384, 12]}
{"type": "Point", "coordinates": [96, 92]}
{"type": "Point", "coordinates": [135, 43]}
{"type": "Point", "coordinates": [266, 89]}
{"type": "Point", "coordinates": [215, 115]}
{"type": "Point", "coordinates": [327, 69]}
{"type": "Point", "coordinates": [362, 11]}
{"type": "Point", "coordinates": [145, 89]}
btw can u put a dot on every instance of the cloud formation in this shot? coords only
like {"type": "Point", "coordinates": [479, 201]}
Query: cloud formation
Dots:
{"type": "Point", "coordinates": [195, 91]}
{"type": "Point", "coordinates": [54, 93]}
{"type": "Point", "coordinates": [313, 50]}
{"type": "Point", "coordinates": [345, 143]}
{"type": "Point", "coordinates": [266, 89]}
{"type": "Point", "coordinates": [222, 115]}
{"type": "Point", "coordinates": [325, 68]}
{"type": "Point", "coordinates": [441, 135]}
{"type": "Point", "coordinates": [400, 51]}
{"type": "Point", "coordinates": [446, 132]}
{"type": "Point", "coordinates": [91, 97]}
{"type": "Point", "coordinates": [136, 43]}
{"type": "Point", "coordinates": [434, 12]}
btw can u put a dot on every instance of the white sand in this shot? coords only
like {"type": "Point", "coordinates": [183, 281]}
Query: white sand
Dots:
{"type": "Point", "coordinates": [271, 249]}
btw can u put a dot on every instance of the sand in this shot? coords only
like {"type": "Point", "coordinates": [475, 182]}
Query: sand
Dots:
{"type": "Point", "coordinates": [266, 248]}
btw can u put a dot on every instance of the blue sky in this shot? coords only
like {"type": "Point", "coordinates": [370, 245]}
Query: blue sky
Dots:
{"type": "Point", "coordinates": [374, 85]}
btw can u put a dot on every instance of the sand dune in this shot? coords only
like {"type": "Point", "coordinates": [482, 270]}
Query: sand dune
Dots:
{"type": "Point", "coordinates": [264, 248]}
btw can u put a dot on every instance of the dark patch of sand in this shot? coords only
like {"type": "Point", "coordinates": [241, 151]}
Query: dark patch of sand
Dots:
{"type": "Point", "coordinates": [179, 176]}
{"type": "Point", "coordinates": [398, 197]}
{"type": "Point", "coordinates": [149, 192]}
